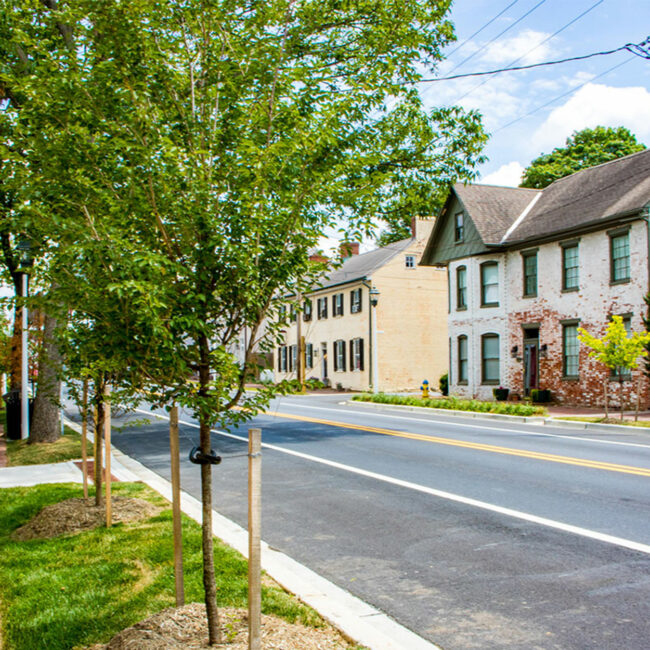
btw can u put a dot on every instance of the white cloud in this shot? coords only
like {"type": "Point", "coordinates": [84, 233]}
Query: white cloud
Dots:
{"type": "Point", "coordinates": [526, 45]}
{"type": "Point", "coordinates": [508, 175]}
{"type": "Point", "coordinates": [595, 105]}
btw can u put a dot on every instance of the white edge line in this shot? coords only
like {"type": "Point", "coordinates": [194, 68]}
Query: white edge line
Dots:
{"type": "Point", "coordinates": [474, 426]}
{"type": "Point", "coordinates": [509, 512]}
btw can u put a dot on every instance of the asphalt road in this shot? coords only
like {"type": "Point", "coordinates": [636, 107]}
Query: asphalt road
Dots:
{"type": "Point", "coordinates": [473, 534]}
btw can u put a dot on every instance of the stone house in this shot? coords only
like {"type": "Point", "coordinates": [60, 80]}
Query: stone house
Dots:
{"type": "Point", "coordinates": [527, 267]}
{"type": "Point", "coordinates": [350, 343]}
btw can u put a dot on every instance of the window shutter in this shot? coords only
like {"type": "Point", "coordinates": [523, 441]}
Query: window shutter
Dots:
{"type": "Point", "coordinates": [336, 356]}
{"type": "Point", "coordinates": [352, 302]}
{"type": "Point", "coordinates": [342, 344]}
{"type": "Point", "coordinates": [334, 305]}
{"type": "Point", "coordinates": [351, 354]}
{"type": "Point", "coordinates": [360, 354]}
{"type": "Point", "coordinates": [279, 359]}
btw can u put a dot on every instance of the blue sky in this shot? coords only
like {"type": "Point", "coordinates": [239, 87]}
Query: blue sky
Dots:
{"type": "Point", "coordinates": [579, 97]}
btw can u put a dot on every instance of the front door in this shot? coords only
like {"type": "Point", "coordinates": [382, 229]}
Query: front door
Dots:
{"type": "Point", "coordinates": [323, 356]}
{"type": "Point", "coordinates": [531, 367]}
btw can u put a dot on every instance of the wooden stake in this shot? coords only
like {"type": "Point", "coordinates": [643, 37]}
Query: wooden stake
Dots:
{"type": "Point", "coordinates": [84, 438]}
{"type": "Point", "coordinates": [107, 454]}
{"type": "Point", "coordinates": [254, 537]}
{"type": "Point", "coordinates": [176, 505]}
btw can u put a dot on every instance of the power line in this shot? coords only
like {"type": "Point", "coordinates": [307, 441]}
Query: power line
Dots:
{"type": "Point", "coordinates": [569, 92]}
{"type": "Point", "coordinates": [548, 38]}
{"type": "Point", "coordinates": [499, 35]}
{"type": "Point", "coordinates": [478, 31]}
{"type": "Point", "coordinates": [641, 49]}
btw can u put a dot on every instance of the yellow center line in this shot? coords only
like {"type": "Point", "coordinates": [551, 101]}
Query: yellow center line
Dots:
{"type": "Point", "coordinates": [554, 458]}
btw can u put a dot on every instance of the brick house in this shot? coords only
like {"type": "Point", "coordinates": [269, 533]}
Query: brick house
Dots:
{"type": "Point", "coordinates": [340, 326]}
{"type": "Point", "coordinates": [527, 267]}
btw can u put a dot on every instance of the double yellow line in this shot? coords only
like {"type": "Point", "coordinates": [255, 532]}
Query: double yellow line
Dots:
{"type": "Point", "coordinates": [553, 458]}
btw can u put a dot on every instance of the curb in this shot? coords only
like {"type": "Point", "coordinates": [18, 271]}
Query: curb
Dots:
{"type": "Point", "coordinates": [359, 621]}
{"type": "Point", "coordinates": [533, 419]}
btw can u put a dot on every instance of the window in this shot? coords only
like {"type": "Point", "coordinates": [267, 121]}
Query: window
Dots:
{"type": "Point", "coordinates": [530, 273]}
{"type": "Point", "coordinates": [570, 350]}
{"type": "Point", "coordinates": [459, 227]}
{"type": "Point", "coordinates": [462, 359]}
{"type": "Point", "coordinates": [409, 261]}
{"type": "Point", "coordinates": [570, 269]}
{"type": "Point", "coordinates": [292, 313]}
{"type": "Point", "coordinates": [355, 301]}
{"type": "Point", "coordinates": [620, 256]}
{"type": "Point", "coordinates": [339, 356]}
{"type": "Point", "coordinates": [321, 306]}
{"type": "Point", "coordinates": [620, 371]}
{"type": "Point", "coordinates": [282, 312]}
{"type": "Point", "coordinates": [293, 357]}
{"type": "Point", "coordinates": [490, 359]}
{"type": "Point", "coordinates": [489, 284]}
{"type": "Point", "coordinates": [461, 287]}
{"type": "Point", "coordinates": [309, 355]}
{"type": "Point", "coordinates": [356, 354]}
{"type": "Point", "coordinates": [306, 310]}
{"type": "Point", "coordinates": [337, 304]}
{"type": "Point", "coordinates": [282, 358]}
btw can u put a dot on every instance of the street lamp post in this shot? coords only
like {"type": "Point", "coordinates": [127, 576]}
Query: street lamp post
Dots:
{"type": "Point", "coordinates": [374, 299]}
{"type": "Point", "coordinates": [25, 263]}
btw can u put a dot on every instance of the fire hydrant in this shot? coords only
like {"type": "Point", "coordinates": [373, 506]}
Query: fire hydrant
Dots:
{"type": "Point", "coordinates": [425, 388]}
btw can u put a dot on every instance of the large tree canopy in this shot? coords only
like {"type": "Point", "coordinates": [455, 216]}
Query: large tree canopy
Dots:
{"type": "Point", "coordinates": [583, 149]}
{"type": "Point", "coordinates": [181, 158]}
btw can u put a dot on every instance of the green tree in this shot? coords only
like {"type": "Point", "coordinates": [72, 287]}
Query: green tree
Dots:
{"type": "Point", "coordinates": [583, 149]}
{"type": "Point", "coordinates": [184, 157]}
{"type": "Point", "coordinates": [617, 350]}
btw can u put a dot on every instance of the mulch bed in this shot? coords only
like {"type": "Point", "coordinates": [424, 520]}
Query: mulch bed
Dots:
{"type": "Point", "coordinates": [186, 627]}
{"type": "Point", "coordinates": [91, 470]}
{"type": "Point", "coordinates": [76, 515]}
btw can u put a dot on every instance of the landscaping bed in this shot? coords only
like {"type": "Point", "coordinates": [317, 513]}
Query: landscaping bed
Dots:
{"type": "Point", "coordinates": [72, 585]}
{"type": "Point", "coordinates": [455, 404]}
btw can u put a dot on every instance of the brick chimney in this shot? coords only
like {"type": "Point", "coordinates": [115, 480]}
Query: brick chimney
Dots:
{"type": "Point", "coordinates": [421, 227]}
{"type": "Point", "coordinates": [348, 249]}
{"type": "Point", "coordinates": [318, 257]}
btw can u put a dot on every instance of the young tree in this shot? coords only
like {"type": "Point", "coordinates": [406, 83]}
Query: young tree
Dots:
{"type": "Point", "coordinates": [583, 149]}
{"type": "Point", "coordinates": [617, 351]}
{"type": "Point", "coordinates": [195, 152]}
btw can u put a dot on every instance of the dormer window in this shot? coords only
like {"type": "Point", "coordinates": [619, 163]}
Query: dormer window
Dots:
{"type": "Point", "coordinates": [459, 227]}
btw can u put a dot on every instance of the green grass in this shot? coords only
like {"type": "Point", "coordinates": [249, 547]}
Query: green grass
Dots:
{"type": "Point", "coordinates": [68, 447]}
{"type": "Point", "coordinates": [80, 589]}
{"type": "Point", "coordinates": [453, 403]}
{"type": "Point", "coordinates": [601, 420]}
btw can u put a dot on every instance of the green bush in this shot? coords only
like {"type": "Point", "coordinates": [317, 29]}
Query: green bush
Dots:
{"type": "Point", "coordinates": [443, 383]}
{"type": "Point", "coordinates": [453, 404]}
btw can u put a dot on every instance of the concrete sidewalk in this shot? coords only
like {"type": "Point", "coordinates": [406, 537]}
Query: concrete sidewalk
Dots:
{"type": "Point", "coordinates": [359, 621]}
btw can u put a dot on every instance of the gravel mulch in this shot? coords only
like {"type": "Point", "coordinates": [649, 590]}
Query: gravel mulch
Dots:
{"type": "Point", "coordinates": [186, 627]}
{"type": "Point", "coordinates": [75, 515]}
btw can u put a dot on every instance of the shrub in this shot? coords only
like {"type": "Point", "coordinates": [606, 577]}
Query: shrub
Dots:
{"type": "Point", "coordinates": [443, 383]}
{"type": "Point", "coordinates": [454, 404]}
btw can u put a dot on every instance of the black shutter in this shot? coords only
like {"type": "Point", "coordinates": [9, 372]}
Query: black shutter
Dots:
{"type": "Point", "coordinates": [334, 305]}
{"type": "Point", "coordinates": [336, 356]}
{"type": "Point", "coordinates": [352, 302]}
{"type": "Point", "coordinates": [351, 354]}
{"type": "Point", "coordinates": [360, 300]}
{"type": "Point", "coordinates": [279, 359]}
{"type": "Point", "coordinates": [342, 301]}
{"type": "Point", "coordinates": [343, 354]}
{"type": "Point", "coordinates": [360, 354]}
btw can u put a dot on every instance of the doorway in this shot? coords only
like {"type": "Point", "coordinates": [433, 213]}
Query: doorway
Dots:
{"type": "Point", "coordinates": [323, 356]}
{"type": "Point", "coordinates": [531, 359]}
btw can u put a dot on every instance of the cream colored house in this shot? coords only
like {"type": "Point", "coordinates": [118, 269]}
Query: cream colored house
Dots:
{"type": "Point", "coordinates": [393, 345]}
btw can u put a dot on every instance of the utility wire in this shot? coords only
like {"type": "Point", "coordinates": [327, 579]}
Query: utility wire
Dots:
{"type": "Point", "coordinates": [641, 49]}
{"type": "Point", "coordinates": [478, 31]}
{"type": "Point", "coordinates": [569, 92]}
{"type": "Point", "coordinates": [548, 38]}
{"type": "Point", "coordinates": [499, 35]}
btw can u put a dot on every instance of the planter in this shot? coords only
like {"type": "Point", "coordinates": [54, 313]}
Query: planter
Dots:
{"type": "Point", "coordinates": [540, 395]}
{"type": "Point", "coordinates": [500, 394]}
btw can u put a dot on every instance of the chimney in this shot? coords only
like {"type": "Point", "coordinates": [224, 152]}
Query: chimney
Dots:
{"type": "Point", "coordinates": [348, 249]}
{"type": "Point", "coordinates": [421, 227]}
{"type": "Point", "coordinates": [318, 257]}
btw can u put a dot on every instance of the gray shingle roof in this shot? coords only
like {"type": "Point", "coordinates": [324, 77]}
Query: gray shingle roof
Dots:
{"type": "Point", "coordinates": [590, 196]}
{"type": "Point", "coordinates": [494, 209]}
{"type": "Point", "coordinates": [358, 267]}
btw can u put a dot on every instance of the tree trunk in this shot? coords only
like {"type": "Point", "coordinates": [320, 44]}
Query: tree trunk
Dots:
{"type": "Point", "coordinates": [99, 432]}
{"type": "Point", "coordinates": [209, 582]}
{"type": "Point", "coordinates": [620, 387]}
{"type": "Point", "coordinates": [45, 425]}
{"type": "Point", "coordinates": [605, 384]}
